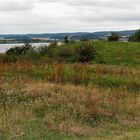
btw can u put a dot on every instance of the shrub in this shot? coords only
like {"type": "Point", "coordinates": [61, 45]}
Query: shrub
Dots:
{"type": "Point", "coordinates": [19, 50]}
{"type": "Point", "coordinates": [74, 52]}
{"type": "Point", "coordinates": [85, 52]}
{"type": "Point", "coordinates": [13, 54]}
{"type": "Point", "coordinates": [43, 50]}
{"type": "Point", "coordinates": [64, 54]}
{"type": "Point", "coordinates": [135, 37]}
{"type": "Point", "coordinates": [33, 55]}
{"type": "Point", "coordinates": [66, 39]}
{"type": "Point", "coordinates": [80, 52]}
{"type": "Point", "coordinates": [50, 51]}
{"type": "Point", "coordinates": [113, 37]}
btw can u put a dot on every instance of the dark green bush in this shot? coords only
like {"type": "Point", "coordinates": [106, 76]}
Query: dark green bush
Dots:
{"type": "Point", "coordinates": [85, 52]}
{"type": "Point", "coordinates": [74, 52]}
{"type": "Point", "coordinates": [19, 50]}
{"type": "Point", "coordinates": [113, 37]}
{"type": "Point", "coordinates": [43, 50]}
{"type": "Point", "coordinates": [135, 37]}
{"type": "Point", "coordinates": [66, 39]}
{"type": "Point", "coordinates": [15, 53]}
{"type": "Point", "coordinates": [79, 52]}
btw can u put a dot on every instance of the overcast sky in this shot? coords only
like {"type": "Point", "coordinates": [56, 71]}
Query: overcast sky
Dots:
{"type": "Point", "coordinates": [43, 16]}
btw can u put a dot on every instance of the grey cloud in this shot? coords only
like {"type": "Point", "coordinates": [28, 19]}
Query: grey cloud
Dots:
{"type": "Point", "coordinates": [67, 15]}
{"type": "Point", "coordinates": [126, 4]}
{"type": "Point", "coordinates": [16, 5]}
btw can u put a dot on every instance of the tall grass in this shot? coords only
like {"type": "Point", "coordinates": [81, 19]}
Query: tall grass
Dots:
{"type": "Point", "coordinates": [70, 99]}
{"type": "Point", "coordinates": [78, 74]}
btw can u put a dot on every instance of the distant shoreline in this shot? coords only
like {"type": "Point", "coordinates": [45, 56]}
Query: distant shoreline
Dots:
{"type": "Point", "coordinates": [5, 47]}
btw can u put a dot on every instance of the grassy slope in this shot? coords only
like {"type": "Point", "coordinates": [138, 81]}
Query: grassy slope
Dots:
{"type": "Point", "coordinates": [39, 110]}
{"type": "Point", "coordinates": [120, 53]}
{"type": "Point", "coordinates": [107, 109]}
{"type": "Point", "coordinates": [36, 109]}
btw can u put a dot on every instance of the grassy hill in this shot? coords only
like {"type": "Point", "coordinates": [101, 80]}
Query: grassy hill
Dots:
{"type": "Point", "coordinates": [120, 53]}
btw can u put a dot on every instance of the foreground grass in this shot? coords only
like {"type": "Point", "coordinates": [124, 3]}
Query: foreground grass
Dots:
{"type": "Point", "coordinates": [38, 110]}
{"type": "Point", "coordinates": [69, 102]}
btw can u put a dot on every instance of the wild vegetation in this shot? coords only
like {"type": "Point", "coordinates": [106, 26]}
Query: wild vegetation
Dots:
{"type": "Point", "coordinates": [135, 36]}
{"type": "Point", "coordinates": [60, 92]}
{"type": "Point", "coordinates": [96, 52]}
{"type": "Point", "coordinates": [113, 37]}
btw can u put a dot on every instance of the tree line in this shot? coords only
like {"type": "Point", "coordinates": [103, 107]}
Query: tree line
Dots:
{"type": "Point", "coordinates": [115, 36]}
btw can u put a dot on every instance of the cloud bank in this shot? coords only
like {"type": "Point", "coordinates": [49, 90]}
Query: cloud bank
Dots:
{"type": "Point", "coordinates": [40, 16]}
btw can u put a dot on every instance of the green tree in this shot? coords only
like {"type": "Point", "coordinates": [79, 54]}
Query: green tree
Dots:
{"type": "Point", "coordinates": [113, 37]}
{"type": "Point", "coordinates": [135, 37]}
{"type": "Point", "coordinates": [66, 39]}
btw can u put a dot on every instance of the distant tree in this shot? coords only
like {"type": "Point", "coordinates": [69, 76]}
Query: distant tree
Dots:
{"type": "Point", "coordinates": [113, 37]}
{"type": "Point", "coordinates": [135, 37]}
{"type": "Point", "coordinates": [66, 39]}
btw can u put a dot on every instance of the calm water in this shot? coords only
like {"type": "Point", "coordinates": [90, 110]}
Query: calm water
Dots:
{"type": "Point", "coordinates": [5, 47]}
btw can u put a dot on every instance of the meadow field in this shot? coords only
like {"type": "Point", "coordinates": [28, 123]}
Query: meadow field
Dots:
{"type": "Point", "coordinates": [43, 100]}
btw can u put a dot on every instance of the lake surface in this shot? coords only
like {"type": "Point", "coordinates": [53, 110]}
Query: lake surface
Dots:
{"type": "Point", "coordinates": [5, 47]}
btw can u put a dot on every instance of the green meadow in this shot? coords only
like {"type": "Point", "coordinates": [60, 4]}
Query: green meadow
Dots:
{"type": "Point", "coordinates": [61, 93]}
